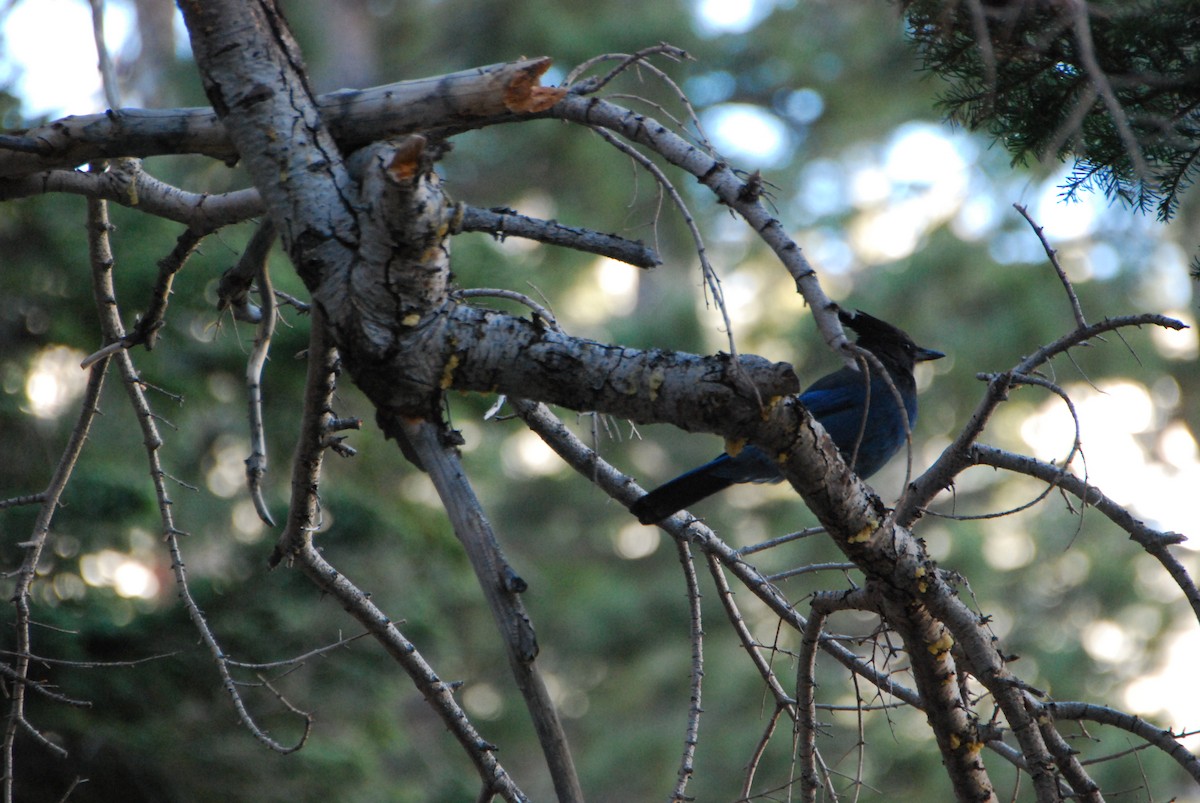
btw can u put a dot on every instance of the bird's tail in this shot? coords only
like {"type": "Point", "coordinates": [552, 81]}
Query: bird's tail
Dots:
{"type": "Point", "coordinates": [681, 492]}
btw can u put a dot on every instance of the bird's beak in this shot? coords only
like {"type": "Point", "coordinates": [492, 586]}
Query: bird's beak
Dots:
{"type": "Point", "coordinates": [928, 354]}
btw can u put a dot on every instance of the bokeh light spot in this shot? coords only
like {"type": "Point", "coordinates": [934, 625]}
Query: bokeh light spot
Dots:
{"type": "Point", "coordinates": [635, 541]}
{"type": "Point", "coordinates": [55, 381]}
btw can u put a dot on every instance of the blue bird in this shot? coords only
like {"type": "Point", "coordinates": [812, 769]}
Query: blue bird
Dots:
{"type": "Point", "coordinates": [868, 429]}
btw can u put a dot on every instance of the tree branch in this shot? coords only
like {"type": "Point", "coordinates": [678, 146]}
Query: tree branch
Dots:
{"type": "Point", "coordinates": [1164, 740]}
{"type": "Point", "coordinates": [501, 588]}
{"type": "Point", "coordinates": [356, 117]}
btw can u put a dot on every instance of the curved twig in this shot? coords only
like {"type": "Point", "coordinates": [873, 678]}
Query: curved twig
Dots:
{"type": "Point", "coordinates": [626, 61]}
{"type": "Point", "coordinates": [256, 462]}
{"type": "Point", "coordinates": [1052, 255]}
{"type": "Point", "coordinates": [512, 295]}
{"type": "Point", "coordinates": [957, 456]}
{"type": "Point", "coordinates": [128, 184]}
{"type": "Point", "coordinates": [1164, 740]}
{"type": "Point", "coordinates": [1076, 448]}
{"type": "Point", "coordinates": [1155, 542]}
{"type": "Point", "coordinates": [145, 331]}
{"type": "Point", "coordinates": [711, 280]}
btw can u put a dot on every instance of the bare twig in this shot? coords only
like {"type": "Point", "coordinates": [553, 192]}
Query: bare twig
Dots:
{"type": "Point", "coordinates": [145, 332]}
{"type": "Point", "coordinates": [625, 61]}
{"type": "Point", "coordinates": [957, 456]}
{"type": "Point", "coordinates": [299, 659]}
{"type": "Point", "coordinates": [760, 750]}
{"type": "Point", "coordinates": [810, 569]}
{"type": "Point", "coordinates": [304, 509]}
{"type": "Point", "coordinates": [1155, 542]}
{"type": "Point", "coordinates": [42, 688]}
{"type": "Point", "coordinates": [711, 280]}
{"type": "Point", "coordinates": [501, 223]}
{"type": "Point", "coordinates": [26, 573]}
{"type": "Point", "coordinates": [737, 621]}
{"type": "Point", "coordinates": [501, 587]}
{"type": "Point", "coordinates": [1164, 740]}
{"type": "Point", "coordinates": [106, 301]}
{"type": "Point", "coordinates": [256, 463]}
{"type": "Point", "coordinates": [27, 499]}
{"type": "Point", "coordinates": [1076, 446]}
{"type": "Point", "coordinates": [806, 715]}
{"type": "Point", "coordinates": [437, 692]}
{"type": "Point", "coordinates": [512, 295]}
{"type": "Point", "coordinates": [687, 763]}
{"type": "Point", "coordinates": [783, 539]}
{"type": "Point", "coordinates": [1052, 255]}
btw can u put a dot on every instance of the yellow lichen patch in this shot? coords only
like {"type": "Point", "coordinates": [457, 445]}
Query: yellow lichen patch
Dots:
{"type": "Point", "coordinates": [448, 372]}
{"type": "Point", "coordinates": [864, 535]}
{"type": "Point", "coordinates": [942, 645]}
{"type": "Point", "coordinates": [411, 319]}
{"type": "Point", "coordinates": [657, 377]}
{"type": "Point", "coordinates": [769, 405]}
{"type": "Point", "coordinates": [456, 219]}
{"type": "Point", "coordinates": [734, 445]}
{"type": "Point", "coordinates": [922, 586]}
{"type": "Point", "coordinates": [954, 741]}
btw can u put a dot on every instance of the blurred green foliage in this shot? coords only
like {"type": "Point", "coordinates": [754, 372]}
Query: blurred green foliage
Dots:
{"type": "Point", "coordinates": [613, 629]}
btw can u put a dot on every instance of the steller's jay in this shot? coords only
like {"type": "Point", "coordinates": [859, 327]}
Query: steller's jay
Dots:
{"type": "Point", "coordinates": [867, 428]}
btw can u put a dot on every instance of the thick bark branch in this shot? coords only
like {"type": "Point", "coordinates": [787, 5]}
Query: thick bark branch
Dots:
{"type": "Point", "coordinates": [355, 118]}
{"type": "Point", "coordinates": [254, 75]}
{"type": "Point", "coordinates": [467, 348]}
{"type": "Point", "coordinates": [933, 668]}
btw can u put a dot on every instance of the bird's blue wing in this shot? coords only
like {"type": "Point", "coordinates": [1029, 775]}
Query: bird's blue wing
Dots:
{"type": "Point", "coordinates": [839, 400]}
{"type": "Point", "coordinates": [751, 464]}
{"type": "Point", "coordinates": [836, 393]}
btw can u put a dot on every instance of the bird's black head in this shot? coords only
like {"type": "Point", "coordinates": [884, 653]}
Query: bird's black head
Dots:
{"type": "Point", "coordinates": [885, 341]}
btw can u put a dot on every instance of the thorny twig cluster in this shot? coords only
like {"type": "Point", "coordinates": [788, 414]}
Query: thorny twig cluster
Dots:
{"type": "Point", "coordinates": [927, 643]}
